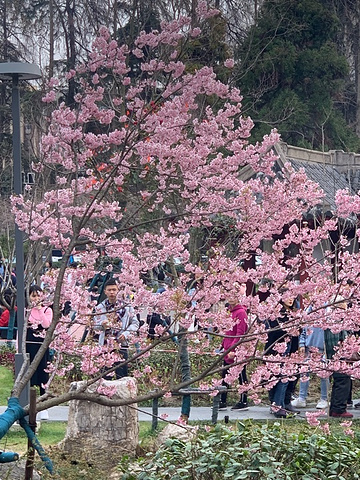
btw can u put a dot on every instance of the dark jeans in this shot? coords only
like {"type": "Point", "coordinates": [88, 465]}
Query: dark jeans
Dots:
{"type": "Point", "coordinates": [349, 400]}
{"type": "Point", "coordinates": [277, 394]}
{"type": "Point", "coordinates": [242, 381]}
{"type": "Point", "coordinates": [122, 371]}
{"type": "Point", "coordinates": [340, 392]}
{"type": "Point", "coordinates": [290, 389]}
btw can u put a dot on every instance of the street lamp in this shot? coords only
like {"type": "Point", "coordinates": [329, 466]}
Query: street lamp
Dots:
{"type": "Point", "coordinates": [16, 71]}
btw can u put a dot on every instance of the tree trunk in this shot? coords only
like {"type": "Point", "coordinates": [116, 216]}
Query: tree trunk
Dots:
{"type": "Point", "coordinates": [185, 375]}
{"type": "Point", "coordinates": [193, 13]}
{"type": "Point", "coordinates": [29, 469]}
{"type": "Point", "coordinates": [115, 15]}
{"type": "Point", "coordinates": [51, 40]}
{"type": "Point", "coordinates": [357, 79]}
{"type": "Point", "coordinates": [70, 11]}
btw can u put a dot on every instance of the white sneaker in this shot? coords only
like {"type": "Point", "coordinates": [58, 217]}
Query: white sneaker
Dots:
{"type": "Point", "coordinates": [298, 402]}
{"type": "Point", "coordinates": [322, 404]}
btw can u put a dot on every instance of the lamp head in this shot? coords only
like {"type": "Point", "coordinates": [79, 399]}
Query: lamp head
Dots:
{"type": "Point", "coordinates": [23, 71]}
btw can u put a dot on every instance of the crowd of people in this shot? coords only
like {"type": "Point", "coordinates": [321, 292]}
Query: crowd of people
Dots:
{"type": "Point", "coordinates": [114, 320]}
{"type": "Point", "coordinates": [282, 398]}
{"type": "Point", "coordinates": [283, 402]}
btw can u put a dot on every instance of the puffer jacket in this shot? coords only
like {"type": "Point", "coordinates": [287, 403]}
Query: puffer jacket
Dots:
{"type": "Point", "coordinates": [239, 315]}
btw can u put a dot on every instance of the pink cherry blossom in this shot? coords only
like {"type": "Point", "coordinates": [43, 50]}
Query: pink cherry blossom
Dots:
{"type": "Point", "coordinates": [312, 418]}
{"type": "Point", "coordinates": [229, 63]}
{"type": "Point", "coordinates": [162, 169]}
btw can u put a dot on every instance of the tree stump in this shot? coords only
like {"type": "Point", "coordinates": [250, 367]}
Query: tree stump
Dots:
{"type": "Point", "coordinates": [99, 434]}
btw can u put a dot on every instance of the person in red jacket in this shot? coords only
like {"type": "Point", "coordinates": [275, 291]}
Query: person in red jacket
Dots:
{"type": "Point", "coordinates": [240, 327]}
{"type": "Point", "coordinates": [4, 311]}
{"type": "Point", "coordinates": [4, 317]}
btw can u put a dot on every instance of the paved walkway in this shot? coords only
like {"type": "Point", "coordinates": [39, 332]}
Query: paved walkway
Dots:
{"type": "Point", "coordinates": [197, 413]}
{"type": "Point", "coordinates": [261, 412]}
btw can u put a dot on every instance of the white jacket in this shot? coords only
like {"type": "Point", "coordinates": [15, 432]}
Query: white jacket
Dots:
{"type": "Point", "coordinates": [127, 321]}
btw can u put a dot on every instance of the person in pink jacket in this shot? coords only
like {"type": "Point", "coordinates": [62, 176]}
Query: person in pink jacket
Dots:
{"type": "Point", "coordinates": [40, 318]}
{"type": "Point", "coordinates": [240, 327]}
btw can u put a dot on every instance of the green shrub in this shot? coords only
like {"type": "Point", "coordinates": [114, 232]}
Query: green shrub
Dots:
{"type": "Point", "coordinates": [252, 452]}
{"type": "Point", "coordinates": [162, 366]}
{"type": "Point", "coordinates": [7, 355]}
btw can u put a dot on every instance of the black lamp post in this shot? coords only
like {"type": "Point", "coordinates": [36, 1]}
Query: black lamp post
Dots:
{"type": "Point", "coordinates": [16, 71]}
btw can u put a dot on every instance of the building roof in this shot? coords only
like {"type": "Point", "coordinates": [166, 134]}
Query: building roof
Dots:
{"type": "Point", "coordinates": [332, 171]}
{"type": "Point", "coordinates": [327, 176]}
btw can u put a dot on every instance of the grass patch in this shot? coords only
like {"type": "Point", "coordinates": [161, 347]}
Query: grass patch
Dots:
{"type": "Point", "coordinates": [50, 433]}
{"type": "Point", "coordinates": [6, 384]}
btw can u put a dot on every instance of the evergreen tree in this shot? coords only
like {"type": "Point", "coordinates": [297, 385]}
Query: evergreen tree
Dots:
{"type": "Point", "coordinates": [348, 12]}
{"type": "Point", "coordinates": [292, 74]}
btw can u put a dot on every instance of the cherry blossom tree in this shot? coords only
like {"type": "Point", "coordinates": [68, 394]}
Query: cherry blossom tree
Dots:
{"type": "Point", "coordinates": [151, 155]}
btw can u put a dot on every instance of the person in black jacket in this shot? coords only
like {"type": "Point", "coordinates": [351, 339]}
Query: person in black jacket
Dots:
{"type": "Point", "coordinates": [276, 334]}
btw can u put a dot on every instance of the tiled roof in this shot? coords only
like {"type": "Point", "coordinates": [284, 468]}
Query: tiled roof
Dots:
{"type": "Point", "coordinates": [329, 179]}
{"type": "Point", "coordinates": [333, 170]}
